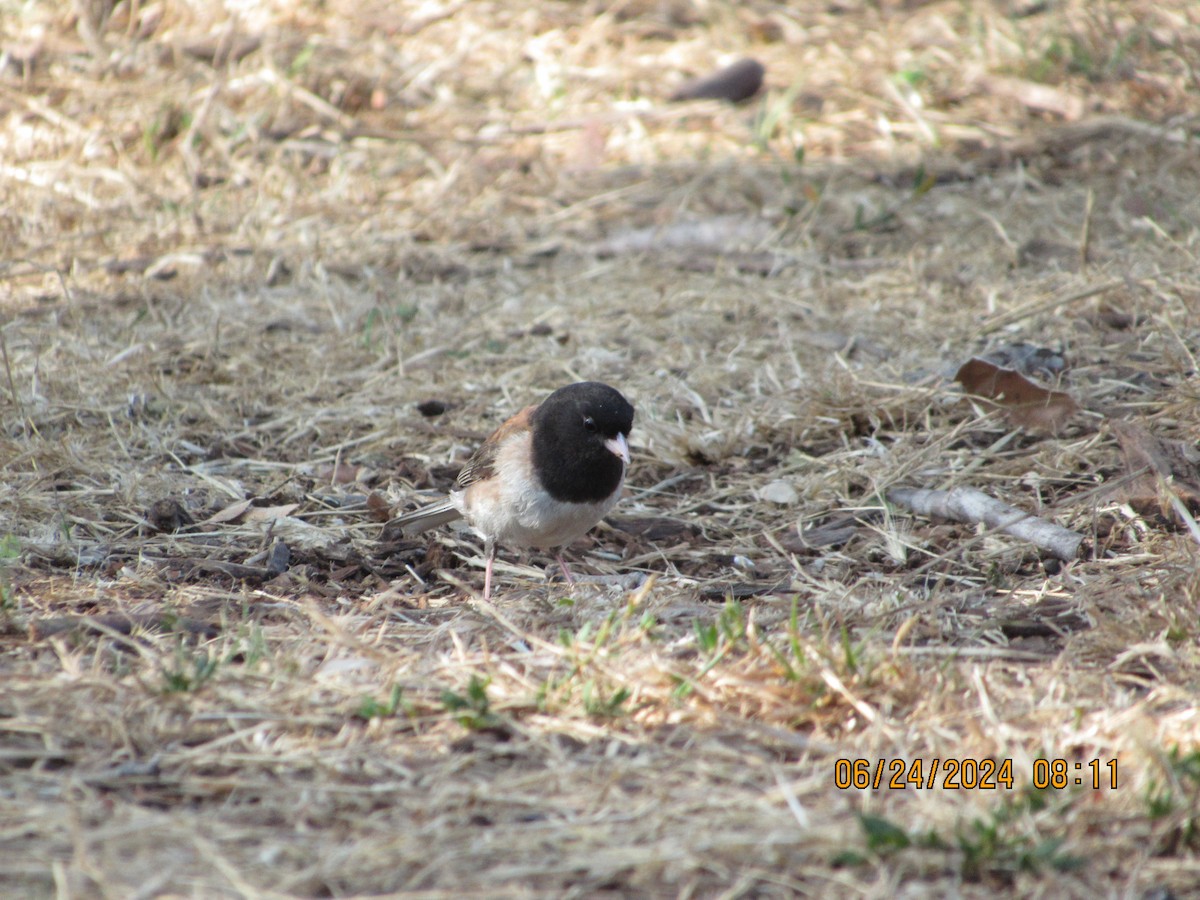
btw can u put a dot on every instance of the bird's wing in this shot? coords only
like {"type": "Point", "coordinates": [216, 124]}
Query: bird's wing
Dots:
{"type": "Point", "coordinates": [482, 464]}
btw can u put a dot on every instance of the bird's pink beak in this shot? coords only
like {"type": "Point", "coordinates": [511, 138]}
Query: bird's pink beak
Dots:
{"type": "Point", "coordinates": [619, 446]}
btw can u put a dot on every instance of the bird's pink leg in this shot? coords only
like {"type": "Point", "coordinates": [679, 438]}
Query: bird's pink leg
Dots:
{"type": "Point", "coordinates": [566, 571]}
{"type": "Point", "coordinates": [490, 553]}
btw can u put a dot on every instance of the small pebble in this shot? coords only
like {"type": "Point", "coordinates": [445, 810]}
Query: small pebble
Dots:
{"type": "Point", "coordinates": [431, 408]}
{"type": "Point", "coordinates": [780, 492]}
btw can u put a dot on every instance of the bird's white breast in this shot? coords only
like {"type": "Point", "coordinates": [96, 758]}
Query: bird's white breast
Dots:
{"type": "Point", "coordinates": [512, 508]}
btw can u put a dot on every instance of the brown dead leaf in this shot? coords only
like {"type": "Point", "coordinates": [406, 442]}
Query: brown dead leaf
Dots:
{"type": "Point", "coordinates": [1026, 403]}
{"type": "Point", "coordinates": [266, 513]}
{"type": "Point", "coordinates": [228, 514]}
{"type": "Point", "coordinates": [378, 509]}
{"type": "Point", "coordinates": [343, 473]}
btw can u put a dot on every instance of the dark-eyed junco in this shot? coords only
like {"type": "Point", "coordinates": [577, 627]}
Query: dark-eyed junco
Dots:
{"type": "Point", "coordinates": [544, 477]}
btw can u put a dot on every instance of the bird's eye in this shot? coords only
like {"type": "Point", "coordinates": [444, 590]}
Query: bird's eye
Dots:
{"type": "Point", "coordinates": [589, 424]}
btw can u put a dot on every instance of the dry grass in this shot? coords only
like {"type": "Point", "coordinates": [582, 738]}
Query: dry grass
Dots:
{"type": "Point", "coordinates": [240, 249]}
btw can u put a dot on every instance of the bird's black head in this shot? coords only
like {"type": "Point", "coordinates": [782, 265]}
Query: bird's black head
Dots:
{"type": "Point", "coordinates": [579, 436]}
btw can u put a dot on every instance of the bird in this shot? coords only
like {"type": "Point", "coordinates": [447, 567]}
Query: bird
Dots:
{"type": "Point", "coordinates": [542, 479]}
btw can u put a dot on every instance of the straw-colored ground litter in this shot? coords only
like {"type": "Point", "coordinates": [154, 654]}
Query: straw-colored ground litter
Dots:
{"type": "Point", "coordinates": [271, 271]}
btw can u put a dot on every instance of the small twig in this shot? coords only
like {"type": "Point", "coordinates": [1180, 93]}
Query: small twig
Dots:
{"type": "Point", "coordinates": [337, 464]}
{"type": "Point", "coordinates": [977, 653]}
{"type": "Point", "coordinates": [12, 387]}
{"type": "Point", "coordinates": [969, 505]}
{"type": "Point", "coordinates": [1085, 234]}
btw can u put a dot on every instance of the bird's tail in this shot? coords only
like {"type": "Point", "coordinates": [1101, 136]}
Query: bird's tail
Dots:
{"type": "Point", "coordinates": [426, 517]}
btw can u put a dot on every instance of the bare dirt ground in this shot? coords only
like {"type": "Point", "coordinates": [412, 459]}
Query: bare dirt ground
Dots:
{"type": "Point", "coordinates": [271, 271]}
